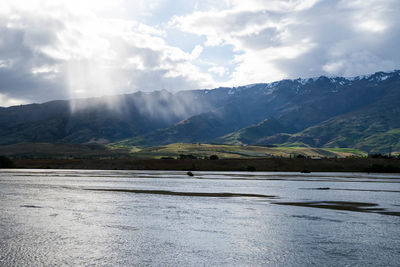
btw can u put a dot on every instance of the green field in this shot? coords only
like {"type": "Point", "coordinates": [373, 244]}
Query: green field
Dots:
{"type": "Point", "coordinates": [118, 150]}
{"type": "Point", "coordinates": [236, 151]}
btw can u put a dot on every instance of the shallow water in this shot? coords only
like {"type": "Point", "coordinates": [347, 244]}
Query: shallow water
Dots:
{"type": "Point", "coordinates": [75, 217]}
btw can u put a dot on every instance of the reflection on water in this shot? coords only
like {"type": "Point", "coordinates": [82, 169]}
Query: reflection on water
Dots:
{"type": "Point", "coordinates": [75, 217]}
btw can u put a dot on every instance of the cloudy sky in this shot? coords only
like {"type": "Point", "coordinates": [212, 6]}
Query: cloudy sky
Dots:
{"type": "Point", "coordinates": [58, 49]}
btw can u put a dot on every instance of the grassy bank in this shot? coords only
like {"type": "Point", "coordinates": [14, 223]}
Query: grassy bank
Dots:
{"type": "Point", "coordinates": [235, 151]}
{"type": "Point", "coordinates": [96, 151]}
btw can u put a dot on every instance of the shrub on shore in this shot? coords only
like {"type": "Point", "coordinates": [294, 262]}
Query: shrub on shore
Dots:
{"type": "Point", "coordinates": [6, 162]}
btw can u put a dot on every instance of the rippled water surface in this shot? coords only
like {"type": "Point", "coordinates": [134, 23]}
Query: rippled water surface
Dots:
{"type": "Point", "coordinates": [121, 218]}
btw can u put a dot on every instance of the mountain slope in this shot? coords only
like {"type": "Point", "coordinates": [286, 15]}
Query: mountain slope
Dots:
{"type": "Point", "coordinates": [375, 128]}
{"type": "Point", "coordinates": [360, 112]}
{"type": "Point", "coordinates": [101, 119]}
{"type": "Point", "coordinates": [284, 107]}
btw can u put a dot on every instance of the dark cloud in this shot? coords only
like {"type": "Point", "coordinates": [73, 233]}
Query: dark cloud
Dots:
{"type": "Point", "coordinates": [260, 40]}
{"type": "Point", "coordinates": [22, 62]}
{"type": "Point", "coordinates": [343, 46]}
{"type": "Point", "coordinates": [303, 37]}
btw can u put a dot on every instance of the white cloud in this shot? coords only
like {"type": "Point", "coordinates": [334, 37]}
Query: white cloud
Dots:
{"type": "Point", "coordinates": [66, 46]}
{"type": "Point", "coordinates": [6, 101]}
{"type": "Point", "coordinates": [60, 49]}
{"type": "Point", "coordinates": [279, 39]}
{"type": "Point", "coordinates": [196, 51]}
{"type": "Point", "coordinates": [358, 63]}
{"type": "Point", "coordinates": [273, 5]}
{"type": "Point", "coordinates": [219, 70]}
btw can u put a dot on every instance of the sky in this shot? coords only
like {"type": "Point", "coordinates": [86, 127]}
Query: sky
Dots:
{"type": "Point", "coordinates": [54, 49]}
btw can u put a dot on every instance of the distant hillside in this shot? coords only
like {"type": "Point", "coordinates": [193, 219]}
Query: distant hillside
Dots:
{"type": "Point", "coordinates": [273, 113]}
{"type": "Point", "coordinates": [360, 112]}
{"type": "Point", "coordinates": [103, 120]}
{"type": "Point", "coordinates": [372, 128]}
{"type": "Point", "coordinates": [375, 128]}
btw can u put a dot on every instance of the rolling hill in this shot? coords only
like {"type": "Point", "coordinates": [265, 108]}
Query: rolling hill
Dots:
{"type": "Point", "coordinates": [104, 119]}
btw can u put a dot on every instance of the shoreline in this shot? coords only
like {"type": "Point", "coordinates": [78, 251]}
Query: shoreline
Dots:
{"type": "Point", "coordinates": [391, 165]}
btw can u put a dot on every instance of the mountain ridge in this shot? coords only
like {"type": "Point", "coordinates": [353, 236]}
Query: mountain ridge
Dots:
{"type": "Point", "coordinates": [264, 113]}
{"type": "Point", "coordinates": [299, 105]}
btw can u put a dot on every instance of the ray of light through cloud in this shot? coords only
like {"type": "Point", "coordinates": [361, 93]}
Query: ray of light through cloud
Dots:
{"type": "Point", "coordinates": [74, 49]}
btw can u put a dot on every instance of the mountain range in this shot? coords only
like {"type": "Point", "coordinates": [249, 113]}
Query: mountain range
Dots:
{"type": "Point", "coordinates": [362, 112]}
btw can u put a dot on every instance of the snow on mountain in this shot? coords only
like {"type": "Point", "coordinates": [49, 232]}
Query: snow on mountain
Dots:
{"type": "Point", "coordinates": [299, 83]}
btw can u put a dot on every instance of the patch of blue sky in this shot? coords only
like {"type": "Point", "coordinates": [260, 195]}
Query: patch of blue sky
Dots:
{"type": "Point", "coordinates": [214, 58]}
{"type": "Point", "coordinates": [185, 41]}
{"type": "Point", "coordinates": [219, 55]}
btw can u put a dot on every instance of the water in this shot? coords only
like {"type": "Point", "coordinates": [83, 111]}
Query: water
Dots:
{"type": "Point", "coordinates": [162, 218]}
